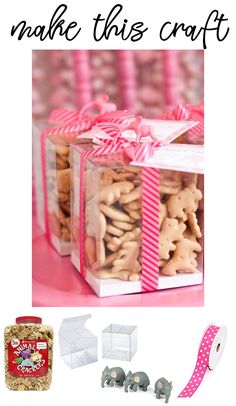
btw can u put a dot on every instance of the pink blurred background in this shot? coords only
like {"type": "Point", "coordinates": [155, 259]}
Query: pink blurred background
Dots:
{"type": "Point", "coordinates": [147, 82]}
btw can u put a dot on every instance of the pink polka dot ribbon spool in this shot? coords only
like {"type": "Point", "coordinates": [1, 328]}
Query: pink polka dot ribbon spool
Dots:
{"type": "Point", "coordinates": [209, 353]}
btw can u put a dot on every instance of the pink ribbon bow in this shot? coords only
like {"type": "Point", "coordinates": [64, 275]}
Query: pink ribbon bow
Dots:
{"type": "Point", "coordinates": [73, 122]}
{"type": "Point", "coordinates": [109, 127]}
{"type": "Point", "coordinates": [187, 112]}
{"type": "Point", "coordinates": [137, 140]}
{"type": "Point", "coordinates": [66, 116]}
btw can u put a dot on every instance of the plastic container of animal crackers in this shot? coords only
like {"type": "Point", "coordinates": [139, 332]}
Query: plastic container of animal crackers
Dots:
{"type": "Point", "coordinates": [28, 354]}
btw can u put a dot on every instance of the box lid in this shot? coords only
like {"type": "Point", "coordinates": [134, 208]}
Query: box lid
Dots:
{"type": "Point", "coordinates": [119, 329]}
{"type": "Point", "coordinates": [179, 157]}
{"type": "Point", "coordinates": [73, 329]}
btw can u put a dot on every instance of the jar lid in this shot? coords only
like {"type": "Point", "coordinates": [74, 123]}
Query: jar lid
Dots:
{"type": "Point", "coordinates": [28, 319]}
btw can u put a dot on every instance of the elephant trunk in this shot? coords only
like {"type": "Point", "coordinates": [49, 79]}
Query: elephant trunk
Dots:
{"type": "Point", "coordinates": [167, 393]}
{"type": "Point", "coordinates": [103, 380]}
{"type": "Point", "coordinates": [127, 383]}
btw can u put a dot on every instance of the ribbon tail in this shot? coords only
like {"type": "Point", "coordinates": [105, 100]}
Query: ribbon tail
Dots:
{"type": "Point", "coordinates": [150, 228]}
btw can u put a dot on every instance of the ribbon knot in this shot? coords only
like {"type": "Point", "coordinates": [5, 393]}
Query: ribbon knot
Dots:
{"type": "Point", "coordinates": [140, 152]}
{"type": "Point", "coordinates": [135, 139]}
{"type": "Point", "coordinates": [69, 117]}
{"type": "Point", "coordinates": [70, 122]}
{"type": "Point", "coordinates": [110, 127]}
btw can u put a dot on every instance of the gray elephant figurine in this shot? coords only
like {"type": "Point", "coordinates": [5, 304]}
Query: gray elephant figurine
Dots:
{"type": "Point", "coordinates": [163, 389]}
{"type": "Point", "coordinates": [136, 380]}
{"type": "Point", "coordinates": [110, 376]}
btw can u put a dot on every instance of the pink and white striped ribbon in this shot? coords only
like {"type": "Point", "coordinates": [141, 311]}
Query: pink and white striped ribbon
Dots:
{"type": "Point", "coordinates": [209, 353]}
{"type": "Point", "coordinates": [74, 122]}
{"type": "Point", "coordinates": [143, 151]}
{"type": "Point", "coordinates": [192, 113]}
{"type": "Point", "coordinates": [150, 229]}
{"type": "Point", "coordinates": [150, 209]}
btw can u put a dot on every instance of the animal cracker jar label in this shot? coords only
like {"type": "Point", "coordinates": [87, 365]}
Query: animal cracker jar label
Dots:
{"type": "Point", "coordinates": [27, 358]}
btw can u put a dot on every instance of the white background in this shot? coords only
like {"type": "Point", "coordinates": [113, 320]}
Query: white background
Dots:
{"type": "Point", "coordinates": [168, 338]}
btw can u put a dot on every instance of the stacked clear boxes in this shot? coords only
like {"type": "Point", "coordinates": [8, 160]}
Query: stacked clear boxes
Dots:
{"type": "Point", "coordinates": [78, 346]}
{"type": "Point", "coordinates": [119, 342]}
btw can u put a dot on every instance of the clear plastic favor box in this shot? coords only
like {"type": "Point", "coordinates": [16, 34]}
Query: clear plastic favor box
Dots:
{"type": "Point", "coordinates": [78, 346]}
{"type": "Point", "coordinates": [52, 171]}
{"type": "Point", "coordinates": [119, 342]}
{"type": "Point", "coordinates": [138, 226]}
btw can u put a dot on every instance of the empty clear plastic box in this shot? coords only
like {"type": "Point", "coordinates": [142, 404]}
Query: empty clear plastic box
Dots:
{"type": "Point", "coordinates": [119, 342]}
{"type": "Point", "coordinates": [78, 346]}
